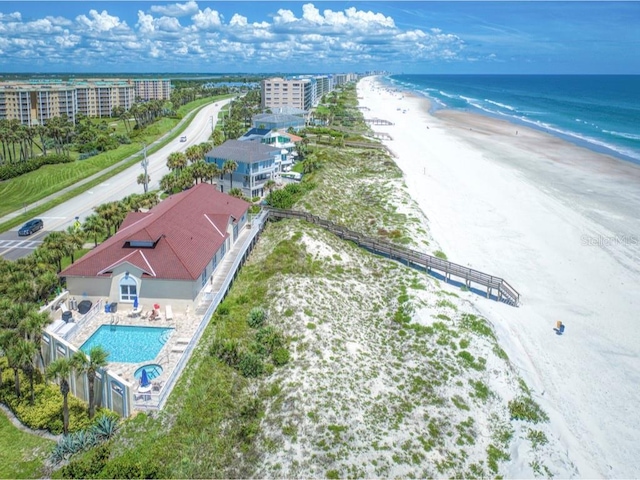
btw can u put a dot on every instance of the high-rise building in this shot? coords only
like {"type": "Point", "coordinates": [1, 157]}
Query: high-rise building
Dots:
{"type": "Point", "coordinates": [278, 92]}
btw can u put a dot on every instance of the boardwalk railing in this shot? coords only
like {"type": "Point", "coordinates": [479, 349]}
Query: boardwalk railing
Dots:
{"type": "Point", "coordinates": [505, 292]}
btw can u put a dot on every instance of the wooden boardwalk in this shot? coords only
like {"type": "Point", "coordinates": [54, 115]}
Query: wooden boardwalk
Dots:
{"type": "Point", "coordinates": [503, 291]}
{"type": "Point", "coordinates": [377, 121]}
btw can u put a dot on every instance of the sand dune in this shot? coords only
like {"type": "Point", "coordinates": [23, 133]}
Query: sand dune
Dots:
{"type": "Point", "coordinates": [562, 225]}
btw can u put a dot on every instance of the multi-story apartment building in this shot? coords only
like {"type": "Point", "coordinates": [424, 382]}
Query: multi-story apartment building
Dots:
{"type": "Point", "coordinates": [300, 92]}
{"type": "Point", "coordinates": [153, 89]}
{"type": "Point", "coordinates": [97, 98]}
{"type": "Point", "coordinates": [278, 92]}
{"type": "Point", "coordinates": [33, 102]}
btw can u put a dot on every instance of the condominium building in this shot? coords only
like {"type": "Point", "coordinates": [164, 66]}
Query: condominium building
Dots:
{"type": "Point", "coordinates": [33, 102]}
{"type": "Point", "coordinates": [278, 92]}
{"type": "Point", "coordinates": [153, 89]}
{"type": "Point", "coordinates": [300, 92]}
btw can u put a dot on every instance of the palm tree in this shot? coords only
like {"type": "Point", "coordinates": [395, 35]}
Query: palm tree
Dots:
{"type": "Point", "coordinates": [60, 369]}
{"type": "Point", "coordinates": [95, 226]}
{"type": "Point", "coordinates": [90, 365]}
{"type": "Point", "coordinates": [19, 354]}
{"type": "Point", "coordinates": [229, 167]}
{"type": "Point", "coordinates": [144, 180]}
{"type": "Point", "coordinates": [176, 161]}
{"type": "Point", "coordinates": [75, 240]}
{"type": "Point", "coordinates": [212, 172]}
{"type": "Point", "coordinates": [55, 244]}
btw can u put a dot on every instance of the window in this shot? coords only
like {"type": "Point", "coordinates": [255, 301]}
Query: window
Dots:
{"type": "Point", "coordinates": [204, 277]}
{"type": "Point", "coordinates": [128, 288]}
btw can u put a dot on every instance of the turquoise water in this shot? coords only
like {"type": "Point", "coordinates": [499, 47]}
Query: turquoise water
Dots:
{"type": "Point", "coordinates": [600, 112]}
{"type": "Point", "coordinates": [129, 344]}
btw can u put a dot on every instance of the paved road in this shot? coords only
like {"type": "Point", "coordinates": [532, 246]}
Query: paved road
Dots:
{"type": "Point", "coordinates": [117, 187]}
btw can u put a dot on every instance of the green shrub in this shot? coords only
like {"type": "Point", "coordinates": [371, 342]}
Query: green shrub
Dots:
{"type": "Point", "coordinates": [280, 356]}
{"type": "Point", "coordinates": [525, 408]}
{"type": "Point", "coordinates": [440, 254]}
{"type": "Point", "coordinates": [13, 170]}
{"type": "Point", "coordinates": [223, 309]}
{"type": "Point", "coordinates": [126, 467]}
{"type": "Point", "coordinates": [269, 338]}
{"type": "Point", "coordinates": [251, 365]}
{"type": "Point", "coordinates": [227, 350]}
{"type": "Point", "coordinates": [88, 465]}
{"type": "Point", "coordinates": [257, 317]}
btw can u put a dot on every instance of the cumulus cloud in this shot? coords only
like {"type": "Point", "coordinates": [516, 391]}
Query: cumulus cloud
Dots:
{"type": "Point", "coordinates": [100, 22]}
{"type": "Point", "coordinates": [304, 35]}
{"type": "Point", "coordinates": [207, 19]}
{"type": "Point", "coordinates": [176, 10]}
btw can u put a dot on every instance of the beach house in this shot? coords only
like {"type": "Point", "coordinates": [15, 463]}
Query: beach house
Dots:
{"type": "Point", "coordinates": [256, 163]}
{"type": "Point", "coordinates": [168, 252]}
{"type": "Point", "coordinates": [286, 142]}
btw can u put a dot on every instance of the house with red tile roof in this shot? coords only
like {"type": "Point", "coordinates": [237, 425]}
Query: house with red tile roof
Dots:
{"type": "Point", "coordinates": [168, 252]}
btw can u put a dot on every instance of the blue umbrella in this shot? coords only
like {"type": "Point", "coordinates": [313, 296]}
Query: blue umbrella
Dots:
{"type": "Point", "coordinates": [135, 302]}
{"type": "Point", "coordinates": [144, 379]}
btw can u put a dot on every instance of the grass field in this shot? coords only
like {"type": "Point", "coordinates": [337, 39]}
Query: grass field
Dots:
{"type": "Point", "coordinates": [21, 454]}
{"type": "Point", "coordinates": [32, 187]}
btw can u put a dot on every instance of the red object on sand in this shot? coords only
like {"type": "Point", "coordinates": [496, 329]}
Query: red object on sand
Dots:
{"type": "Point", "coordinates": [156, 306]}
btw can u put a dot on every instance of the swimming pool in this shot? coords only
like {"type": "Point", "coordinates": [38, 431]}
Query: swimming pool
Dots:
{"type": "Point", "coordinates": [129, 344]}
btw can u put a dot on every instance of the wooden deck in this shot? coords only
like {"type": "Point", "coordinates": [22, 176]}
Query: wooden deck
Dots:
{"type": "Point", "coordinates": [503, 291]}
{"type": "Point", "coordinates": [377, 121]}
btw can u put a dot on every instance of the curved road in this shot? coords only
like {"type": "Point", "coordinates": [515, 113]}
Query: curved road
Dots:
{"type": "Point", "coordinates": [117, 187]}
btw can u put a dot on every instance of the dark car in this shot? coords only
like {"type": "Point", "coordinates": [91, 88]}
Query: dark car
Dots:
{"type": "Point", "coordinates": [31, 226]}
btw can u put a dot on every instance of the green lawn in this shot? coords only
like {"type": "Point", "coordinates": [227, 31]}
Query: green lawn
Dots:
{"type": "Point", "coordinates": [34, 186]}
{"type": "Point", "coordinates": [21, 454]}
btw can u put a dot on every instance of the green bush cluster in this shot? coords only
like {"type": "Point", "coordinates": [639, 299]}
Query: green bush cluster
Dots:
{"type": "Point", "coordinates": [287, 197]}
{"type": "Point", "coordinates": [46, 412]}
{"type": "Point", "coordinates": [257, 317]}
{"type": "Point", "coordinates": [251, 356]}
{"type": "Point", "coordinates": [525, 408]}
{"type": "Point", "coordinates": [95, 464]}
{"type": "Point", "coordinates": [13, 170]}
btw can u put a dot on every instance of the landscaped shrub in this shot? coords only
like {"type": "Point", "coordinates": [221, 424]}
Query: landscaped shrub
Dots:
{"type": "Point", "coordinates": [46, 412]}
{"type": "Point", "coordinates": [16, 169]}
{"type": "Point", "coordinates": [127, 467]}
{"type": "Point", "coordinates": [289, 195]}
{"type": "Point", "coordinates": [257, 317]}
{"type": "Point", "coordinates": [88, 465]}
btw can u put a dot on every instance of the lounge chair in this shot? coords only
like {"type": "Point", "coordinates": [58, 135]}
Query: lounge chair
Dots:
{"type": "Point", "coordinates": [52, 327]}
{"type": "Point", "coordinates": [66, 330]}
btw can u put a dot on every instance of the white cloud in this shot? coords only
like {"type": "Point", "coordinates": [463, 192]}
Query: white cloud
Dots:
{"type": "Point", "coordinates": [207, 19]}
{"type": "Point", "coordinates": [100, 22]}
{"type": "Point", "coordinates": [168, 24]}
{"type": "Point", "coordinates": [10, 16]}
{"type": "Point", "coordinates": [145, 22]}
{"type": "Point", "coordinates": [176, 10]}
{"type": "Point", "coordinates": [67, 39]}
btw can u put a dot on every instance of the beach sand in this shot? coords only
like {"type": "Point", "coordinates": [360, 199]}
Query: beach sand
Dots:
{"type": "Point", "coordinates": [562, 225]}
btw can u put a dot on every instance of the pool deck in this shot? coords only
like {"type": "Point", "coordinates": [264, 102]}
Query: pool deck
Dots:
{"type": "Point", "coordinates": [186, 318]}
{"type": "Point", "coordinates": [185, 324]}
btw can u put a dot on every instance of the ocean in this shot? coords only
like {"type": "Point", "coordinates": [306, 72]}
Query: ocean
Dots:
{"type": "Point", "coordinates": [600, 112]}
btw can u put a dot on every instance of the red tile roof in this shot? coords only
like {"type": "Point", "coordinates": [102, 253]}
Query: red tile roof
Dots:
{"type": "Point", "coordinates": [187, 229]}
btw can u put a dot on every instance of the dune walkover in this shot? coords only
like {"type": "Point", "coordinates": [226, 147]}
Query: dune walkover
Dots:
{"type": "Point", "coordinates": [504, 291]}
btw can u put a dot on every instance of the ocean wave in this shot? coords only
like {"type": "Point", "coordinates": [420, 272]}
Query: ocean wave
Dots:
{"type": "Point", "coordinates": [583, 138]}
{"type": "Point", "coordinates": [508, 107]}
{"type": "Point", "coordinates": [630, 136]}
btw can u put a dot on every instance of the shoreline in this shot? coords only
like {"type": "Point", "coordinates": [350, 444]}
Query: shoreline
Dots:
{"type": "Point", "coordinates": [593, 146]}
{"type": "Point", "coordinates": [561, 223]}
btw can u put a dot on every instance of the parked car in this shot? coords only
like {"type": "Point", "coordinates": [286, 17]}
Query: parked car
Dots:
{"type": "Point", "coordinates": [183, 138]}
{"type": "Point", "coordinates": [30, 227]}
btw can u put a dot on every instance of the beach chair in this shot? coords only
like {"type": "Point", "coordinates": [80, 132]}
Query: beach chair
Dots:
{"type": "Point", "coordinates": [168, 312]}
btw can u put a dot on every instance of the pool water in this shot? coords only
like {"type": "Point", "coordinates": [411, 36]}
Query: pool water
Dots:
{"type": "Point", "coordinates": [129, 344]}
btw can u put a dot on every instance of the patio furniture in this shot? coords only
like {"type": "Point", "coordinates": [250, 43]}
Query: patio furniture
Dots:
{"type": "Point", "coordinates": [136, 311]}
{"type": "Point", "coordinates": [84, 306]}
{"type": "Point", "coordinates": [168, 312]}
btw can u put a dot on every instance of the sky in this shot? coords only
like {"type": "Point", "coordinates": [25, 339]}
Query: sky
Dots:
{"type": "Point", "coordinates": [156, 36]}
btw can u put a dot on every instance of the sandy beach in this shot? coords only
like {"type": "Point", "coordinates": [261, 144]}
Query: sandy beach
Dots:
{"type": "Point", "coordinates": [562, 225]}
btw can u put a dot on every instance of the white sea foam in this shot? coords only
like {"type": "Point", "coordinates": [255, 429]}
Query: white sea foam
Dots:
{"type": "Point", "coordinates": [630, 136]}
{"type": "Point", "coordinates": [508, 107]}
